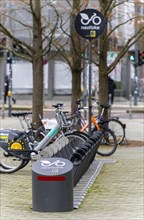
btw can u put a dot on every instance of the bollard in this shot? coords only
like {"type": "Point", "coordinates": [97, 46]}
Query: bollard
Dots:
{"type": "Point", "coordinates": [52, 185]}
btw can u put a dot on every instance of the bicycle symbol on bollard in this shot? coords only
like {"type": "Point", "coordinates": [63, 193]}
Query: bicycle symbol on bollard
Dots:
{"type": "Point", "coordinates": [85, 20]}
{"type": "Point", "coordinates": [56, 163]}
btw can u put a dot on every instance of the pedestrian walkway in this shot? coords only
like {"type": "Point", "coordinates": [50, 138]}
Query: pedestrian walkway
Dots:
{"type": "Point", "coordinates": [116, 194]}
{"type": "Point", "coordinates": [134, 126]}
{"type": "Point", "coordinates": [119, 104]}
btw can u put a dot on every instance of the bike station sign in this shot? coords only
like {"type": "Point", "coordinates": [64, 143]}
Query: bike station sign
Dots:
{"type": "Point", "coordinates": [90, 23]}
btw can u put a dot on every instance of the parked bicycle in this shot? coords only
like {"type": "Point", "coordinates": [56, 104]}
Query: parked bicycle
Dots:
{"type": "Point", "coordinates": [114, 123]}
{"type": "Point", "coordinates": [109, 141]}
{"type": "Point", "coordinates": [16, 147]}
{"type": "Point", "coordinates": [117, 126]}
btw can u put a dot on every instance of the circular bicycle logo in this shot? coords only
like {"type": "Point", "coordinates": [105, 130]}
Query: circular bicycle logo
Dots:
{"type": "Point", "coordinates": [85, 20]}
{"type": "Point", "coordinates": [56, 163]}
{"type": "Point", "coordinates": [90, 23]}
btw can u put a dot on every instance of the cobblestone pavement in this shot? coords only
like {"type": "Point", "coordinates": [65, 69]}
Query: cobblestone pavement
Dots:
{"type": "Point", "coordinates": [117, 193]}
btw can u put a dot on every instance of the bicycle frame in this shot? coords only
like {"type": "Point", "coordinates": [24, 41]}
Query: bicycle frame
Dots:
{"type": "Point", "coordinates": [93, 121]}
{"type": "Point", "coordinates": [61, 123]}
{"type": "Point", "coordinates": [86, 124]}
{"type": "Point", "coordinates": [48, 137]}
{"type": "Point", "coordinates": [37, 146]}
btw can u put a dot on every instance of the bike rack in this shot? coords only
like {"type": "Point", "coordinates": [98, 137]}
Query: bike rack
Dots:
{"type": "Point", "coordinates": [56, 181]}
{"type": "Point", "coordinates": [84, 156]}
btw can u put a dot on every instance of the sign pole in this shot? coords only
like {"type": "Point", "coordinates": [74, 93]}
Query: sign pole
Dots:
{"type": "Point", "coordinates": [90, 24]}
{"type": "Point", "coordinates": [10, 85]}
{"type": "Point", "coordinates": [90, 77]}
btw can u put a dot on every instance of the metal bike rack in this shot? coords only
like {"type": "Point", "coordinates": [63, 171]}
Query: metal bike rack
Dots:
{"type": "Point", "coordinates": [55, 177]}
{"type": "Point", "coordinates": [84, 156]}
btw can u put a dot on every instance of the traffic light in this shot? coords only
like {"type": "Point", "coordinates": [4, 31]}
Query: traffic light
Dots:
{"type": "Point", "coordinates": [131, 55]}
{"type": "Point", "coordinates": [137, 57]}
{"type": "Point", "coordinates": [9, 57]}
{"type": "Point", "coordinates": [141, 58]}
{"type": "Point", "coordinates": [1, 52]}
{"type": "Point", "coordinates": [2, 46]}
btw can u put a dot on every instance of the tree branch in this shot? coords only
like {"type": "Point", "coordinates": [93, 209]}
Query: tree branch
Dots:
{"type": "Point", "coordinates": [127, 46]}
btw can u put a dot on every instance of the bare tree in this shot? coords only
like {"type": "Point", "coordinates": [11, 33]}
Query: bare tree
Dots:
{"type": "Point", "coordinates": [36, 48]}
{"type": "Point", "coordinates": [71, 53]}
{"type": "Point", "coordinates": [37, 61]}
{"type": "Point", "coordinates": [67, 43]}
{"type": "Point", "coordinates": [107, 7]}
{"type": "Point", "coordinates": [73, 56]}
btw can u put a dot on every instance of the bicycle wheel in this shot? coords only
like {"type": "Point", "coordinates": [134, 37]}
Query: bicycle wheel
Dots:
{"type": "Point", "coordinates": [81, 136]}
{"type": "Point", "coordinates": [118, 128]}
{"type": "Point", "coordinates": [10, 164]}
{"type": "Point", "coordinates": [76, 139]}
{"type": "Point", "coordinates": [84, 135]}
{"type": "Point", "coordinates": [108, 143]}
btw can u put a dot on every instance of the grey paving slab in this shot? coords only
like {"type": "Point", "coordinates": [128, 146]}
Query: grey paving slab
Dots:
{"type": "Point", "coordinates": [116, 194]}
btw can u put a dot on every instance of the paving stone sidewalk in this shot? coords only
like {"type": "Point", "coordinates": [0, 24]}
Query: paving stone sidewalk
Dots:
{"type": "Point", "coordinates": [117, 193]}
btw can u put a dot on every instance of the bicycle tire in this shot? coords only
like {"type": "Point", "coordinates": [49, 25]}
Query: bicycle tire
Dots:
{"type": "Point", "coordinates": [10, 164]}
{"type": "Point", "coordinates": [79, 133]}
{"type": "Point", "coordinates": [118, 128]}
{"type": "Point", "coordinates": [78, 137]}
{"type": "Point", "coordinates": [108, 143]}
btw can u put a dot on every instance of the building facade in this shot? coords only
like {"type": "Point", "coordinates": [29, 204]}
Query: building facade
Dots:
{"type": "Point", "coordinates": [56, 69]}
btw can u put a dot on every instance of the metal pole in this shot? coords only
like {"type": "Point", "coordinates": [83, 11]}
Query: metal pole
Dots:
{"type": "Point", "coordinates": [10, 87]}
{"type": "Point", "coordinates": [136, 76]}
{"type": "Point", "coordinates": [109, 112]}
{"type": "Point", "coordinates": [3, 72]}
{"type": "Point", "coordinates": [136, 64]}
{"type": "Point", "coordinates": [90, 104]}
{"type": "Point", "coordinates": [3, 107]}
{"type": "Point", "coordinates": [130, 109]}
{"type": "Point", "coordinates": [130, 98]}
{"type": "Point", "coordinates": [84, 85]}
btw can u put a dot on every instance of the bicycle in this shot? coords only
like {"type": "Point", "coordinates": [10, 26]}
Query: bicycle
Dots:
{"type": "Point", "coordinates": [18, 147]}
{"type": "Point", "coordinates": [109, 142]}
{"type": "Point", "coordinates": [114, 123]}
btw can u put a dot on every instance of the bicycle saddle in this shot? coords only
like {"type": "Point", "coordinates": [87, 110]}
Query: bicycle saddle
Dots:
{"type": "Point", "coordinates": [18, 114]}
{"type": "Point", "coordinates": [105, 106]}
{"type": "Point", "coordinates": [60, 104]}
{"type": "Point", "coordinates": [78, 101]}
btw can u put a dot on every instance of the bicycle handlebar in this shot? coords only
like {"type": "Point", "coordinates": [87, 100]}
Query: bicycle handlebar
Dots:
{"type": "Point", "coordinates": [96, 101]}
{"type": "Point", "coordinates": [79, 101]}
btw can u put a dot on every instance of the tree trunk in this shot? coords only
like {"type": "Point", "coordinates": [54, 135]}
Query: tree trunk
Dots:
{"type": "Point", "coordinates": [76, 59]}
{"type": "Point", "coordinates": [103, 76]}
{"type": "Point", "coordinates": [76, 85]}
{"type": "Point", "coordinates": [37, 64]}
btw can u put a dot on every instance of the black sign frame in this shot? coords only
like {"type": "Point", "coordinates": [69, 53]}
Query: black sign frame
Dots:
{"type": "Point", "coordinates": [90, 23]}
